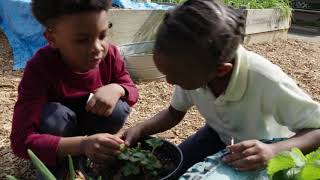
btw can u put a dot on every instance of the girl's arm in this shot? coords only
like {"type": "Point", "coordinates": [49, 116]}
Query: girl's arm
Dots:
{"type": "Point", "coordinates": [162, 121]}
{"type": "Point", "coordinates": [307, 140]}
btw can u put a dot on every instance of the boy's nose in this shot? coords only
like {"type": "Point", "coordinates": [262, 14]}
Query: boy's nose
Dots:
{"type": "Point", "coordinates": [97, 47]}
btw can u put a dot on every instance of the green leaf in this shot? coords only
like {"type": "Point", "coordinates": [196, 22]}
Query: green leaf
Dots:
{"type": "Point", "coordinates": [122, 147]}
{"type": "Point", "coordinates": [311, 171]}
{"type": "Point", "coordinates": [130, 169]}
{"type": "Point", "coordinates": [44, 171]}
{"type": "Point", "coordinates": [100, 178]}
{"type": "Point", "coordinates": [139, 155]}
{"type": "Point", "coordinates": [298, 157]}
{"type": "Point", "coordinates": [280, 175]}
{"type": "Point", "coordinates": [315, 155]}
{"type": "Point", "coordinates": [71, 168]}
{"type": "Point", "coordinates": [154, 143]}
{"type": "Point", "coordinates": [154, 173]}
{"type": "Point", "coordinates": [280, 162]}
{"type": "Point", "coordinates": [10, 177]}
{"type": "Point", "coordinates": [293, 173]}
{"type": "Point", "coordinates": [124, 156]}
{"type": "Point", "coordinates": [137, 158]}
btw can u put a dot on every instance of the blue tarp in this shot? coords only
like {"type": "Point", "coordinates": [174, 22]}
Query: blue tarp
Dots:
{"type": "Point", "coordinates": [22, 30]}
{"type": "Point", "coordinates": [25, 33]}
{"type": "Point", "coordinates": [213, 168]}
{"type": "Point", "coordinates": [130, 4]}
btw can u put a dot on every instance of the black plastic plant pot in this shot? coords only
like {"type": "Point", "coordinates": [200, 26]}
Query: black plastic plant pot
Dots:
{"type": "Point", "coordinates": [169, 155]}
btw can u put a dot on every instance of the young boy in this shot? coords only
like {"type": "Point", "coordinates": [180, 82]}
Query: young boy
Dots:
{"type": "Point", "coordinates": [238, 92]}
{"type": "Point", "coordinates": [52, 116]}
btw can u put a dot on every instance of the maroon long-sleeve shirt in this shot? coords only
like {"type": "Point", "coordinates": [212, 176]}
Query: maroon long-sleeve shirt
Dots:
{"type": "Point", "coordinates": [46, 78]}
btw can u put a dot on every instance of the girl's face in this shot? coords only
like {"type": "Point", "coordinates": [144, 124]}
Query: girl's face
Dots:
{"type": "Point", "coordinates": [188, 72]}
{"type": "Point", "coordinates": [81, 39]}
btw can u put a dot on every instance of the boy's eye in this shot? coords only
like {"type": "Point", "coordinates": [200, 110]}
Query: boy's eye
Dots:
{"type": "Point", "coordinates": [82, 40]}
{"type": "Point", "coordinates": [103, 36]}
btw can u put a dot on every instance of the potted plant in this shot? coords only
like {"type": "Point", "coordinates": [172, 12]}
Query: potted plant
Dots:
{"type": "Point", "coordinates": [151, 158]}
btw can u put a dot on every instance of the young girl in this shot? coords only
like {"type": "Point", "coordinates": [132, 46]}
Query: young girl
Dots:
{"type": "Point", "coordinates": [238, 92]}
{"type": "Point", "coordinates": [52, 116]}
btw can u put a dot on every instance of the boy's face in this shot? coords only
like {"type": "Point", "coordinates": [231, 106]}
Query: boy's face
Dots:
{"type": "Point", "coordinates": [81, 39]}
{"type": "Point", "coordinates": [187, 72]}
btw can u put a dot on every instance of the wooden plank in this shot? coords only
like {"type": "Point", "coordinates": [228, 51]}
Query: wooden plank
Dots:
{"type": "Point", "coordinates": [306, 16]}
{"type": "Point", "coordinates": [264, 20]}
{"type": "Point", "coordinates": [129, 26]}
{"type": "Point", "coordinates": [269, 36]}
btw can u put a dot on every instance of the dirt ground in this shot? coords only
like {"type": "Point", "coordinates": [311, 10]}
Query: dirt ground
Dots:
{"type": "Point", "coordinates": [299, 59]}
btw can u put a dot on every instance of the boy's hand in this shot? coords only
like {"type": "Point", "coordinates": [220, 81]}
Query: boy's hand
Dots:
{"type": "Point", "coordinates": [101, 147]}
{"type": "Point", "coordinates": [249, 155]}
{"type": "Point", "coordinates": [131, 135]}
{"type": "Point", "coordinates": [104, 99]}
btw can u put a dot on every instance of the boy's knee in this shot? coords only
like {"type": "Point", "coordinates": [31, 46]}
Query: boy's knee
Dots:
{"type": "Point", "coordinates": [121, 111]}
{"type": "Point", "coordinates": [57, 119]}
{"type": "Point", "coordinates": [119, 116]}
{"type": "Point", "coordinates": [111, 124]}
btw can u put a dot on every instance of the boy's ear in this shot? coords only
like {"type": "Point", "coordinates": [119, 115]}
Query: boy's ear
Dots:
{"type": "Point", "coordinates": [224, 69]}
{"type": "Point", "coordinates": [49, 37]}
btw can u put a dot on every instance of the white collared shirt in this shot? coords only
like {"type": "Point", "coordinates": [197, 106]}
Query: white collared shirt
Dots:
{"type": "Point", "coordinates": [260, 102]}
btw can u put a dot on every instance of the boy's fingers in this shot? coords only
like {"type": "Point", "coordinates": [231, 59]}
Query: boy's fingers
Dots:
{"type": "Point", "coordinates": [111, 143]}
{"type": "Point", "coordinates": [107, 112]}
{"type": "Point", "coordinates": [101, 109]}
{"type": "Point", "coordinates": [91, 103]}
{"type": "Point", "coordinates": [98, 108]}
{"type": "Point", "coordinates": [127, 141]}
{"type": "Point", "coordinates": [110, 152]}
{"type": "Point", "coordinates": [117, 139]}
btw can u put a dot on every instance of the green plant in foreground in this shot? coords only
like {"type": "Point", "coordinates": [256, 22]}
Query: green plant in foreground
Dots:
{"type": "Point", "coordinates": [137, 159]}
{"type": "Point", "coordinates": [293, 165]}
{"type": "Point", "coordinates": [10, 177]}
{"type": "Point", "coordinates": [44, 171]}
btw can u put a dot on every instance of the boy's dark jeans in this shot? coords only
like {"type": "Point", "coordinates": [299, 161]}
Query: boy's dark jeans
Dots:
{"type": "Point", "coordinates": [71, 120]}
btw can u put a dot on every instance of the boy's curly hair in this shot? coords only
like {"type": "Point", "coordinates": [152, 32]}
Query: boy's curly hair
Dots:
{"type": "Point", "coordinates": [203, 25]}
{"type": "Point", "coordinates": [47, 10]}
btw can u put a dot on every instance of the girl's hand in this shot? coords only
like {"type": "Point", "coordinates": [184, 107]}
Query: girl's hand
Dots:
{"type": "Point", "coordinates": [101, 147]}
{"type": "Point", "coordinates": [104, 99]}
{"type": "Point", "coordinates": [131, 135]}
{"type": "Point", "coordinates": [249, 155]}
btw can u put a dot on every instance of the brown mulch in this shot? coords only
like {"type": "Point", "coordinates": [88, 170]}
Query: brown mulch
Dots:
{"type": "Point", "coordinates": [299, 59]}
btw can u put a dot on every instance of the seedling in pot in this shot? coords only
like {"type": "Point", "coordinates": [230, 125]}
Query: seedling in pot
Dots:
{"type": "Point", "coordinates": [137, 160]}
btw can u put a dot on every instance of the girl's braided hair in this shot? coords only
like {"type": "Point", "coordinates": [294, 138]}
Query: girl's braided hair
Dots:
{"type": "Point", "coordinates": [206, 26]}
